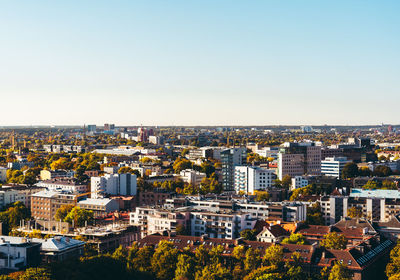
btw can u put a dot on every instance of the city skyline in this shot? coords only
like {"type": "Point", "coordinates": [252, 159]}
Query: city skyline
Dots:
{"type": "Point", "coordinates": [210, 63]}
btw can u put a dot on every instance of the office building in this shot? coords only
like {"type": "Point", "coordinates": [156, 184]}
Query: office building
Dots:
{"type": "Point", "coordinates": [297, 159]}
{"type": "Point", "coordinates": [249, 179]}
{"type": "Point", "coordinates": [113, 184]}
{"type": "Point", "coordinates": [333, 166]}
{"type": "Point", "coordinates": [231, 158]}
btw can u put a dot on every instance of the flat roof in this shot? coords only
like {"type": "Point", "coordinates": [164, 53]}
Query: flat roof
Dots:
{"type": "Point", "coordinates": [395, 194]}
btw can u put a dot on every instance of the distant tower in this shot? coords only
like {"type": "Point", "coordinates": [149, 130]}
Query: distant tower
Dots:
{"type": "Point", "coordinates": [13, 139]}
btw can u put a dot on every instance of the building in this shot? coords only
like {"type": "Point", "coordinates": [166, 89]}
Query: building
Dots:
{"type": "Point", "coordinates": [64, 148]}
{"type": "Point", "coordinates": [64, 185]}
{"type": "Point", "coordinates": [157, 220]}
{"type": "Point", "coordinates": [192, 177]}
{"type": "Point", "coordinates": [249, 179]}
{"type": "Point", "coordinates": [156, 140]}
{"type": "Point", "coordinates": [99, 206]}
{"type": "Point", "coordinates": [222, 224]}
{"type": "Point", "coordinates": [297, 159]}
{"type": "Point", "coordinates": [53, 174]}
{"type": "Point", "coordinates": [333, 166]}
{"type": "Point", "coordinates": [60, 248]}
{"type": "Point", "coordinates": [91, 128]}
{"type": "Point", "coordinates": [18, 253]}
{"type": "Point", "coordinates": [113, 184]}
{"type": "Point", "coordinates": [3, 174]}
{"type": "Point", "coordinates": [11, 193]}
{"type": "Point", "coordinates": [230, 158]}
{"type": "Point", "coordinates": [299, 182]}
{"type": "Point", "coordinates": [44, 204]}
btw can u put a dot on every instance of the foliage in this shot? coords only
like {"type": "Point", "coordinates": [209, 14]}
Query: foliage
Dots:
{"type": "Point", "coordinates": [248, 234]}
{"type": "Point", "coordinates": [354, 212]}
{"type": "Point", "coordinates": [295, 238]}
{"type": "Point", "coordinates": [340, 272]}
{"type": "Point", "coordinates": [79, 216]}
{"type": "Point", "coordinates": [350, 170]}
{"type": "Point", "coordinates": [63, 211]}
{"type": "Point", "coordinates": [314, 215]}
{"type": "Point", "coordinates": [334, 240]}
{"type": "Point", "coordinates": [262, 196]}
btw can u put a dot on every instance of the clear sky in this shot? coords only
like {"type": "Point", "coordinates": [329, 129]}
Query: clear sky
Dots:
{"type": "Point", "coordinates": [199, 62]}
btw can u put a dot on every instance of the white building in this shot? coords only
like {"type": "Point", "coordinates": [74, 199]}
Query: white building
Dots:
{"type": "Point", "coordinates": [299, 182]}
{"type": "Point", "coordinates": [268, 152]}
{"type": "Point", "coordinates": [192, 176]}
{"type": "Point", "coordinates": [220, 225]}
{"type": "Point", "coordinates": [333, 166]}
{"type": "Point", "coordinates": [152, 220]}
{"type": "Point", "coordinates": [63, 185]}
{"type": "Point", "coordinates": [3, 174]}
{"type": "Point", "coordinates": [249, 179]}
{"type": "Point", "coordinates": [115, 184]}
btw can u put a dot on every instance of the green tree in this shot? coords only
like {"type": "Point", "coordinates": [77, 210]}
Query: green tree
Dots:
{"type": "Point", "coordinates": [314, 215]}
{"type": "Point", "coordinates": [185, 268]}
{"type": "Point", "coordinates": [252, 259]}
{"type": "Point", "coordinates": [294, 238]}
{"type": "Point", "coordinates": [393, 267]}
{"type": "Point", "coordinates": [350, 170]}
{"type": "Point", "coordinates": [164, 260]}
{"type": "Point", "coordinates": [79, 216]}
{"type": "Point", "coordinates": [382, 171]}
{"type": "Point", "coordinates": [143, 259]}
{"type": "Point", "coordinates": [286, 181]}
{"type": "Point", "coordinates": [262, 196]}
{"type": "Point", "coordinates": [181, 164]}
{"type": "Point", "coordinates": [334, 240]}
{"type": "Point", "coordinates": [36, 273]}
{"type": "Point", "coordinates": [208, 168]}
{"type": "Point", "coordinates": [248, 234]}
{"type": "Point", "coordinates": [63, 211]}
{"type": "Point", "coordinates": [274, 255]}
{"type": "Point", "coordinates": [339, 272]}
{"type": "Point", "coordinates": [354, 212]}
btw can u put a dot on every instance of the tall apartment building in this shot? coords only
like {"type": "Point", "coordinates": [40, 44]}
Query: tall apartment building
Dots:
{"type": "Point", "coordinates": [249, 179]}
{"type": "Point", "coordinates": [333, 166]}
{"type": "Point", "coordinates": [297, 159]}
{"type": "Point", "coordinates": [230, 158]}
{"type": "Point", "coordinates": [114, 184]}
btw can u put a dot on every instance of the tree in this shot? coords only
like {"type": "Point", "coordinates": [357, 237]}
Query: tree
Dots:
{"type": "Point", "coordinates": [127, 169]}
{"type": "Point", "coordinates": [262, 196]}
{"type": "Point", "coordinates": [340, 272]}
{"type": "Point", "coordinates": [294, 238]}
{"type": "Point", "coordinates": [248, 234]}
{"type": "Point", "coordinates": [181, 164]}
{"type": "Point", "coordinates": [208, 168]}
{"type": "Point", "coordinates": [63, 211]}
{"type": "Point", "coordinates": [185, 268]}
{"type": "Point", "coordinates": [371, 185]}
{"type": "Point", "coordinates": [180, 229]}
{"type": "Point", "coordinates": [143, 259]}
{"type": "Point", "coordinates": [382, 171]}
{"type": "Point", "coordinates": [120, 254]}
{"type": "Point", "coordinates": [274, 255]}
{"type": "Point", "coordinates": [36, 273]}
{"type": "Point", "coordinates": [286, 181]}
{"type": "Point", "coordinates": [79, 216]}
{"type": "Point", "coordinates": [252, 259]}
{"type": "Point", "coordinates": [164, 260]}
{"type": "Point", "coordinates": [354, 212]}
{"type": "Point", "coordinates": [314, 215]}
{"type": "Point", "coordinates": [334, 240]}
{"type": "Point", "coordinates": [393, 267]}
{"type": "Point", "coordinates": [389, 185]}
{"type": "Point", "coordinates": [350, 170]}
